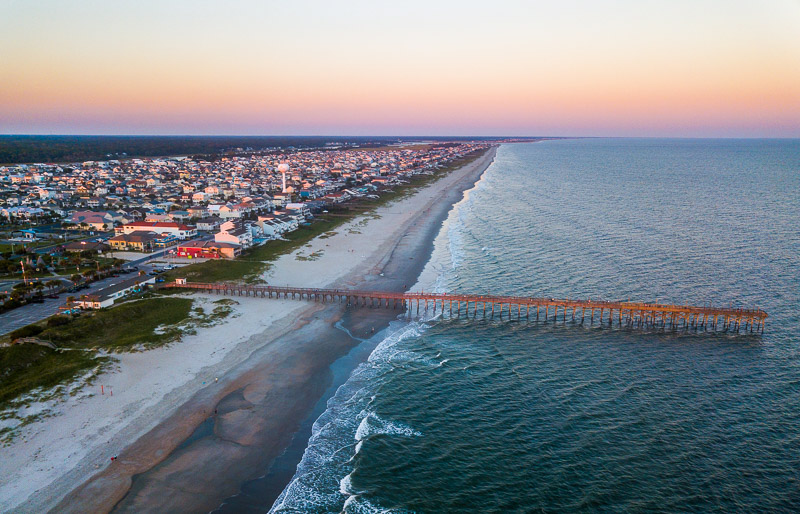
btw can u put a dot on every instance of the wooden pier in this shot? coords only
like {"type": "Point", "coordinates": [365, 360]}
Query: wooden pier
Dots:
{"type": "Point", "coordinates": [624, 314]}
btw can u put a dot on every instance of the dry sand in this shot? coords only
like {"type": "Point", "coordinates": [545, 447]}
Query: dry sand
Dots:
{"type": "Point", "coordinates": [261, 370]}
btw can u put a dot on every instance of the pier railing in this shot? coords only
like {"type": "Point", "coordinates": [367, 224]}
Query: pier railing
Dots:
{"type": "Point", "coordinates": [632, 314]}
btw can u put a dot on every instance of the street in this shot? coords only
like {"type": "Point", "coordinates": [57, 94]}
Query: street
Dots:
{"type": "Point", "coordinates": [34, 312]}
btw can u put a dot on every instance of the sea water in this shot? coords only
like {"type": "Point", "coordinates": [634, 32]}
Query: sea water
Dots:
{"type": "Point", "coordinates": [507, 416]}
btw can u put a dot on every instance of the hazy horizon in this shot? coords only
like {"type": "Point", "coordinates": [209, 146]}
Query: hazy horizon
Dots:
{"type": "Point", "coordinates": [384, 136]}
{"type": "Point", "coordinates": [358, 68]}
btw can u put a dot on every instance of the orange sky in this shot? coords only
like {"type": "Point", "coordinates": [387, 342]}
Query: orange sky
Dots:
{"type": "Point", "coordinates": [674, 68]}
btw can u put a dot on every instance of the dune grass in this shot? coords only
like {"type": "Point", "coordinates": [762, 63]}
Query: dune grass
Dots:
{"type": "Point", "coordinates": [25, 367]}
{"type": "Point", "coordinates": [149, 322]}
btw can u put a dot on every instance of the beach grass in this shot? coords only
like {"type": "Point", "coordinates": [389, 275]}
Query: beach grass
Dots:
{"type": "Point", "coordinates": [26, 367]}
{"type": "Point", "coordinates": [149, 323]}
{"type": "Point", "coordinates": [82, 343]}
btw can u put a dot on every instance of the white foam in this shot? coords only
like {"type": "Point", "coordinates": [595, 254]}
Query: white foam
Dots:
{"type": "Point", "coordinates": [372, 424]}
{"type": "Point", "coordinates": [324, 473]}
{"type": "Point", "coordinates": [363, 429]}
{"type": "Point", "coordinates": [318, 483]}
{"type": "Point", "coordinates": [346, 486]}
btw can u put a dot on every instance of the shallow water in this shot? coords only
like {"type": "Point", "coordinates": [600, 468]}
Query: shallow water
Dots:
{"type": "Point", "coordinates": [489, 416]}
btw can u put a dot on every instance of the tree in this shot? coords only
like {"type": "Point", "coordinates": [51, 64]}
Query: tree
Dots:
{"type": "Point", "coordinates": [76, 278]}
{"type": "Point", "coordinates": [53, 284]}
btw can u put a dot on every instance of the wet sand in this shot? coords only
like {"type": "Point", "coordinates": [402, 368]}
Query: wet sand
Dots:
{"type": "Point", "coordinates": [225, 436]}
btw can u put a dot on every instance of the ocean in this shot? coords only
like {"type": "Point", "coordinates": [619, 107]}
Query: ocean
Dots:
{"type": "Point", "coordinates": [506, 416]}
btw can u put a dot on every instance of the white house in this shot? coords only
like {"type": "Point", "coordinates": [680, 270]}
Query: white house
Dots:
{"type": "Point", "coordinates": [230, 232]}
{"type": "Point", "coordinates": [299, 208]}
{"type": "Point", "coordinates": [182, 232]}
{"type": "Point", "coordinates": [107, 296]}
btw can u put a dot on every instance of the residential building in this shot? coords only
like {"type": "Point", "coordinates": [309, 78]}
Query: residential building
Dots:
{"type": "Point", "coordinates": [140, 241]}
{"type": "Point", "coordinates": [108, 295]}
{"type": "Point", "coordinates": [197, 249]}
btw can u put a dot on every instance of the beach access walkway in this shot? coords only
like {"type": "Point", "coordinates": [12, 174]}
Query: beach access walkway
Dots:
{"type": "Point", "coordinates": [625, 314]}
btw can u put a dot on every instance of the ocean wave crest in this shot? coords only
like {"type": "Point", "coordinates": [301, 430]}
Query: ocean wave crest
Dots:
{"type": "Point", "coordinates": [322, 481]}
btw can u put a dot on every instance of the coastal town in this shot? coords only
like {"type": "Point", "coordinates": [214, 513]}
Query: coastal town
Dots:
{"type": "Point", "coordinates": [185, 209]}
{"type": "Point", "coordinates": [82, 386]}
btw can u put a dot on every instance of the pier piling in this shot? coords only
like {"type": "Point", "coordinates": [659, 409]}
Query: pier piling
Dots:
{"type": "Point", "coordinates": [629, 314]}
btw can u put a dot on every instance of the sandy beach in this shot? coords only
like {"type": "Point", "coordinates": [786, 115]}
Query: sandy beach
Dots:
{"type": "Point", "coordinates": [190, 422]}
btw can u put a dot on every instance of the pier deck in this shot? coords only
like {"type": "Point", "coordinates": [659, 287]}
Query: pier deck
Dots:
{"type": "Point", "coordinates": [631, 314]}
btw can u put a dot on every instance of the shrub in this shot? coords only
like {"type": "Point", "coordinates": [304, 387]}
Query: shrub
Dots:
{"type": "Point", "coordinates": [57, 321]}
{"type": "Point", "coordinates": [11, 303]}
{"type": "Point", "coordinates": [27, 331]}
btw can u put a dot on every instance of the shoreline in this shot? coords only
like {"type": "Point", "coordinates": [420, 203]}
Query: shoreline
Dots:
{"type": "Point", "coordinates": [283, 354]}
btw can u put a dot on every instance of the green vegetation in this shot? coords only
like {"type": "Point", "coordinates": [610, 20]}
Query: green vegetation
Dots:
{"type": "Point", "coordinates": [22, 148]}
{"type": "Point", "coordinates": [310, 257]}
{"type": "Point", "coordinates": [151, 322]}
{"type": "Point", "coordinates": [254, 261]}
{"type": "Point", "coordinates": [248, 266]}
{"type": "Point", "coordinates": [32, 369]}
{"type": "Point", "coordinates": [26, 367]}
{"type": "Point", "coordinates": [28, 246]}
{"type": "Point", "coordinates": [223, 308]}
{"type": "Point", "coordinates": [27, 331]}
{"type": "Point", "coordinates": [129, 326]}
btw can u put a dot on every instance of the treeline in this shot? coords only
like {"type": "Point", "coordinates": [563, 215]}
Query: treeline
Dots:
{"type": "Point", "coordinates": [22, 149]}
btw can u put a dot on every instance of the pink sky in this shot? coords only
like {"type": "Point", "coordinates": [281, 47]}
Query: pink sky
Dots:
{"type": "Point", "coordinates": [515, 68]}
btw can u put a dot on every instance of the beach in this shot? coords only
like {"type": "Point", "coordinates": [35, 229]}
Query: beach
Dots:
{"type": "Point", "coordinates": [193, 420]}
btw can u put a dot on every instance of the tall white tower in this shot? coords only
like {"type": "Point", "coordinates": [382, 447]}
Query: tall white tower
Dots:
{"type": "Point", "coordinates": [283, 168]}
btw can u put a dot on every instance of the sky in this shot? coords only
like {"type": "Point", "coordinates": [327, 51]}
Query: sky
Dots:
{"type": "Point", "coordinates": [700, 68]}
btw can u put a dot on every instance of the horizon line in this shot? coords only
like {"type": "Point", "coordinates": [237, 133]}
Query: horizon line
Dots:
{"type": "Point", "coordinates": [392, 136]}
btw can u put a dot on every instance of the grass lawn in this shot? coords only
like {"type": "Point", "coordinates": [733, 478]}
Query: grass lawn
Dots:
{"type": "Point", "coordinates": [7, 247]}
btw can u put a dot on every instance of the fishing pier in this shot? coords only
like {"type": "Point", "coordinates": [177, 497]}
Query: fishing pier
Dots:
{"type": "Point", "coordinates": [624, 314]}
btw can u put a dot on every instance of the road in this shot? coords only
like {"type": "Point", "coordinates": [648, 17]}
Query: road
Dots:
{"type": "Point", "coordinates": [58, 242]}
{"type": "Point", "coordinates": [33, 312]}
